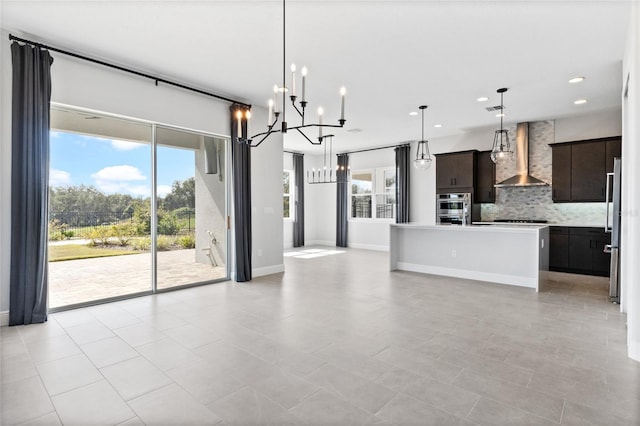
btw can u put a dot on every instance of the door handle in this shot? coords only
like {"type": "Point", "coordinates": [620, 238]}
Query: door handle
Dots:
{"type": "Point", "coordinates": [607, 248]}
{"type": "Point", "coordinates": [606, 201]}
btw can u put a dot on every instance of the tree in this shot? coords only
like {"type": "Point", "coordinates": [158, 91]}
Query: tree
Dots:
{"type": "Point", "coordinates": [183, 194]}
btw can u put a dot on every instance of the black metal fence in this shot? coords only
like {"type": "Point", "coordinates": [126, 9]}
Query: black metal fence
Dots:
{"type": "Point", "coordinates": [79, 223]}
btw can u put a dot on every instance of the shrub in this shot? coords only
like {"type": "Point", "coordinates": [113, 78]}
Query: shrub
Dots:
{"type": "Point", "coordinates": [68, 234]}
{"type": "Point", "coordinates": [56, 230]}
{"type": "Point", "coordinates": [124, 232]}
{"type": "Point", "coordinates": [141, 243]}
{"type": "Point", "coordinates": [99, 235]}
{"type": "Point", "coordinates": [167, 223]}
{"type": "Point", "coordinates": [187, 241]}
{"type": "Point", "coordinates": [164, 242]}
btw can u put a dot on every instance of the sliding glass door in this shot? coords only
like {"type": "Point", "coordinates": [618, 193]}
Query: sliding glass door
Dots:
{"type": "Point", "coordinates": [191, 214]}
{"type": "Point", "coordinates": [107, 238]}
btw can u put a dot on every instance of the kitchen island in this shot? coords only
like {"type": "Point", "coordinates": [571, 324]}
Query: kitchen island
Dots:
{"type": "Point", "coordinates": [505, 254]}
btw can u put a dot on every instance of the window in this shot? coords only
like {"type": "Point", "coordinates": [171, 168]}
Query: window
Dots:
{"type": "Point", "coordinates": [286, 193]}
{"type": "Point", "coordinates": [373, 191]}
{"type": "Point", "coordinates": [361, 189]}
{"type": "Point", "coordinates": [386, 196]}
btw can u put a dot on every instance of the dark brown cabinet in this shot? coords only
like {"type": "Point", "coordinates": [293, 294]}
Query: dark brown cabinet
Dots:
{"type": "Point", "coordinates": [579, 250]}
{"type": "Point", "coordinates": [588, 175]}
{"type": "Point", "coordinates": [561, 173]}
{"type": "Point", "coordinates": [455, 171]}
{"type": "Point", "coordinates": [579, 169]}
{"type": "Point", "coordinates": [485, 178]}
{"type": "Point", "coordinates": [558, 247]}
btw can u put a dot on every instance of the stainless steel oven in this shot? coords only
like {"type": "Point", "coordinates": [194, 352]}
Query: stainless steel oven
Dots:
{"type": "Point", "coordinates": [453, 208]}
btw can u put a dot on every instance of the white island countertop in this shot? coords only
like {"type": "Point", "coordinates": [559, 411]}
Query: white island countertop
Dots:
{"type": "Point", "coordinates": [510, 254]}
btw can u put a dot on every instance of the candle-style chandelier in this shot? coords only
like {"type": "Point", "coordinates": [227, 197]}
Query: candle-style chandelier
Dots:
{"type": "Point", "coordinates": [277, 114]}
{"type": "Point", "coordinates": [329, 175]}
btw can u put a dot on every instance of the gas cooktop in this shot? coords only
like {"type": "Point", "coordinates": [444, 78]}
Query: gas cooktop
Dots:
{"type": "Point", "coordinates": [520, 220]}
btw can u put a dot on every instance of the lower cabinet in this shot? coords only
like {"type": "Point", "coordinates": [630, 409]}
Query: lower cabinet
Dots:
{"type": "Point", "coordinates": [579, 250]}
{"type": "Point", "coordinates": [558, 247]}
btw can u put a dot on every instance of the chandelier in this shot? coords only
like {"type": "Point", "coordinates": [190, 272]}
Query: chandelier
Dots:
{"type": "Point", "coordinates": [328, 176]}
{"type": "Point", "coordinates": [277, 110]}
{"type": "Point", "coordinates": [423, 157]}
{"type": "Point", "coordinates": [501, 151]}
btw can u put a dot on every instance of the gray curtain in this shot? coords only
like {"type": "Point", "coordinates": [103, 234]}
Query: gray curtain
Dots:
{"type": "Point", "coordinates": [241, 157]}
{"type": "Point", "coordinates": [298, 215]}
{"type": "Point", "coordinates": [342, 202]}
{"type": "Point", "coordinates": [403, 166]}
{"type": "Point", "coordinates": [29, 184]}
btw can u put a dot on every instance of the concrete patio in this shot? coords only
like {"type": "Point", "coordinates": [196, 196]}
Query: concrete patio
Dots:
{"type": "Point", "coordinates": [84, 280]}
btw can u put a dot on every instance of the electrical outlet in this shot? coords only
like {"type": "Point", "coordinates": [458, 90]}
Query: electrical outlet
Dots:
{"type": "Point", "coordinates": [454, 253]}
{"type": "Point", "coordinates": [259, 252]}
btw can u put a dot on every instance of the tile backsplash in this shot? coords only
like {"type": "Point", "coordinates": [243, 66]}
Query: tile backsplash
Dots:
{"type": "Point", "coordinates": [535, 202]}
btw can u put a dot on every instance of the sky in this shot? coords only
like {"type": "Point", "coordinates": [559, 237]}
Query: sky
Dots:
{"type": "Point", "coordinates": [115, 166]}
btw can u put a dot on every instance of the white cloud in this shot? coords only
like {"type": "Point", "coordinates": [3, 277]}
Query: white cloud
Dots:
{"type": "Point", "coordinates": [59, 177]}
{"type": "Point", "coordinates": [120, 179]}
{"type": "Point", "coordinates": [124, 145]}
{"type": "Point", "coordinates": [119, 173]}
{"type": "Point", "coordinates": [163, 190]}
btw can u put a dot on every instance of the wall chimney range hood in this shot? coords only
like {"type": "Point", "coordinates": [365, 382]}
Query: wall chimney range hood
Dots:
{"type": "Point", "coordinates": [522, 177]}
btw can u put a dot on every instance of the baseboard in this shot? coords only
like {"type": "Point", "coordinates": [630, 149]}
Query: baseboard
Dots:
{"type": "Point", "coordinates": [634, 350]}
{"type": "Point", "coordinates": [470, 275]}
{"type": "Point", "coordinates": [267, 270]}
{"type": "Point", "coordinates": [369, 247]}
{"type": "Point", "coordinates": [288, 245]}
{"type": "Point", "coordinates": [4, 318]}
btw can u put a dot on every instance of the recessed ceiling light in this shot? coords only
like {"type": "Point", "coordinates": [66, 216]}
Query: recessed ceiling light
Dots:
{"type": "Point", "coordinates": [413, 113]}
{"type": "Point", "coordinates": [576, 80]}
{"type": "Point", "coordinates": [437, 125]}
{"type": "Point", "coordinates": [500, 115]}
{"type": "Point", "coordinates": [580, 101]}
{"type": "Point", "coordinates": [482, 99]}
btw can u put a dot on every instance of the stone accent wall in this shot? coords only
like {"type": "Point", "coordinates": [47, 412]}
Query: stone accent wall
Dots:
{"type": "Point", "coordinates": [535, 202]}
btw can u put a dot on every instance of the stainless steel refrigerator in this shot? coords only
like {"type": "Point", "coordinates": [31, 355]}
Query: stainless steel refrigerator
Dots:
{"type": "Point", "coordinates": [614, 195]}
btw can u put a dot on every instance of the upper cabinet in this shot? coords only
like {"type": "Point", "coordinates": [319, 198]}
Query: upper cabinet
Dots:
{"type": "Point", "coordinates": [467, 171]}
{"type": "Point", "coordinates": [579, 169]}
{"type": "Point", "coordinates": [485, 192]}
{"type": "Point", "coordinates": [455, 171]}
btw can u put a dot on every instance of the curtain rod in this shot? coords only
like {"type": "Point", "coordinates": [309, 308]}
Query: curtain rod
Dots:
{"type": "Point", "coordinates": [292, 152]}
{"type": "Point", "coordinates": [375, 149]}
{"type": "Point", "coordinates": [120, 68]}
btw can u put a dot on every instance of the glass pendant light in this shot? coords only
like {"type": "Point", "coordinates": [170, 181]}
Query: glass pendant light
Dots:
{"type": "Point", "coordinates": [423, 157]}
{"type": "Point", "coordinates": [501, 151]}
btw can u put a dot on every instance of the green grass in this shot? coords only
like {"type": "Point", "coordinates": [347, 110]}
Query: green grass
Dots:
{"type": "Point", "coordinates": [77, 251]}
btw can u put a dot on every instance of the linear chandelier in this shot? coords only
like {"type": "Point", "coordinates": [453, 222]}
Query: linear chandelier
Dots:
{"type": "Point", "coordinates": [277, 114]}
{"type": "Point", "coordinates": [330, 176]}
{"type": "Point", "coordinates": [501, 151]}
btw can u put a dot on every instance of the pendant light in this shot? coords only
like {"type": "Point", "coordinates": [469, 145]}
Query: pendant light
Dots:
{"type": "Point", "coordinates": [423, 157]}
{"type": "Point", "coordinates": [501, 151]}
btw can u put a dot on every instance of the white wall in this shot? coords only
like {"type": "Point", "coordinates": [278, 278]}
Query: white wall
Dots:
{"type": "Point", "coordinates": [85, 85]}
{"type": "Point", "coordinates": [630, 240]}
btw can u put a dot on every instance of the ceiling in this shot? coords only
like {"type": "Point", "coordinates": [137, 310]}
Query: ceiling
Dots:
{"type": "Point", "coordinates": [392, 56]}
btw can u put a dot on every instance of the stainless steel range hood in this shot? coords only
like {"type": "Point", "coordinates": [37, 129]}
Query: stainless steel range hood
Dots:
{"type": "Point", "coordinates": [522, 178]}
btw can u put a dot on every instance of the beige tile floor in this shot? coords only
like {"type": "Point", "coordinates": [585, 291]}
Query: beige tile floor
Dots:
{"type": "Point", "coordinates": [84, 280]}
{"type": "Point", "coordinates": [336, 339]}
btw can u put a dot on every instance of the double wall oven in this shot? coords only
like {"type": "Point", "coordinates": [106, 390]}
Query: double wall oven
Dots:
{"type": "Point", "coordinates": [454, 208]}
